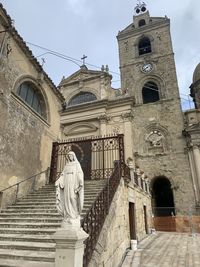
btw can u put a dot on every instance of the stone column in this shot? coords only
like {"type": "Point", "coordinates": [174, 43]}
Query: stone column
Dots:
{"type": "Point", "coordinates": [104, 118]}
{"type": "Point", "coordinates": [194, 176]}
{"type": "Point", "coordinates": [69, 246]}
{"type": "Point", "coordinates": [196, 154]}
{"type": "Point", "coordinates": [128, 134]}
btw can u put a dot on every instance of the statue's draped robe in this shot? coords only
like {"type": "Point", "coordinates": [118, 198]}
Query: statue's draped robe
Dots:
{"type": "Point", "coordinates": [69, 201]}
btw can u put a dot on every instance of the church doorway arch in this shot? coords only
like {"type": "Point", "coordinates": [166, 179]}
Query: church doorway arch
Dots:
{"type": "Point", "coordinates": [163, 199]}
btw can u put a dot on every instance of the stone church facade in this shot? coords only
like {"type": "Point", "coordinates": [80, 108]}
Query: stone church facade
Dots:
{"type": "Point", "coordinates": [147, 109]}
{"type": "Point", "coordinates": [162, 143]}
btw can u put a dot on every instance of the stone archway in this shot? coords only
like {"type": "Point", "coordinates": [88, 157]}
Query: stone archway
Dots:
{"type": "Point", "coordinates": [163, 199]}
{"type": "Point", "coordinates": [163, 204]}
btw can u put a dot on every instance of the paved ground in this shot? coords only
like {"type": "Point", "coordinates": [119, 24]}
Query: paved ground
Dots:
{"type": "Point", "coordinates": [166, 250]}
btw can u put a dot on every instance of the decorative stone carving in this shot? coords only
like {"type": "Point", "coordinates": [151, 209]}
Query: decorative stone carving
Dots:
{"type": "Point", "coordinates": [116, 129]}
{"type": "Point", "coordinates": [155, 138]}
{"type": "Point", "coordinates": [128, 116]}
{"type": "Point", "coordinates": [104, 118]}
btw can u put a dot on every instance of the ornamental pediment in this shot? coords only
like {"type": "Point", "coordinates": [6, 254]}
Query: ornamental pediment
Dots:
{"type": "Point", "coordinates": [81, 75]}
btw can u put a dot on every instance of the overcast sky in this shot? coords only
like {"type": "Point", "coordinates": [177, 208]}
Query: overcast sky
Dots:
{"type": "Point", "coordinates": [77, 27]}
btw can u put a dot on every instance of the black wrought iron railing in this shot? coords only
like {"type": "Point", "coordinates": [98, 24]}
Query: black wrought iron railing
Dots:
{"type": "Point", "coordinates": [10, 194]}
{"type": "Point", "coordinates": [93, 221]}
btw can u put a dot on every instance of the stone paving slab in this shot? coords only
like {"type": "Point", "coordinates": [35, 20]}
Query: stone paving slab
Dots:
{"type": "Point", "coordinates": [166, 250]}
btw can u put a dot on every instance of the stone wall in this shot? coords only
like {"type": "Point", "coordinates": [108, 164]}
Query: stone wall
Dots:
{"type": "Point", "coordinates": [26, 137]}
{"type": "Point", "coordinates": [141, 199]}
{"type": "Point", "coordinates": [114, 238]}
{"type": "Point", "coordinates": [167, 157]}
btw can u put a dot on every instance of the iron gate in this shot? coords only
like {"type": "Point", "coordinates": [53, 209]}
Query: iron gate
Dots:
{"type": "Point", "coordinates": [97, 156]}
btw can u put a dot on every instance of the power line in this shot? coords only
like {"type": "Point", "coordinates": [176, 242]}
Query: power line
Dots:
{"type": "Point", "coordinates": [74, 60]}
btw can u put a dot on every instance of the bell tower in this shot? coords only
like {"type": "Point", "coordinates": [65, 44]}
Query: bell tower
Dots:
{"type": "Point", "coordinates": [148, 74]}
{"type": "Point", "coordinates": [146, 57]}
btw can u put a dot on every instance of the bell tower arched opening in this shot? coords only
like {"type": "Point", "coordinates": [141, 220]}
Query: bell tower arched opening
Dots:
{"type": "Point", "coordinates": [163, 199]}
{"type": "Point", "coordinates": [144, 46]}
{"type": "Point", "coordinates": [150, 93]}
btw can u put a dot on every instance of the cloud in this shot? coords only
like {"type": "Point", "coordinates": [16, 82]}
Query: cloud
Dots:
{"type": "Point", "coordinates": [77, 27]}
{"type": "Point", "coordinates": [79, 7]}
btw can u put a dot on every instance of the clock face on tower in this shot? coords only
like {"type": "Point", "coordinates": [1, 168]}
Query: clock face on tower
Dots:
{"type": "Point", "coordinates": [147, 67]}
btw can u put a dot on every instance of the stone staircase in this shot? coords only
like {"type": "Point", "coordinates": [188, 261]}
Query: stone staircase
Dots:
{"type": "Point", "coordinates": [26, 227]}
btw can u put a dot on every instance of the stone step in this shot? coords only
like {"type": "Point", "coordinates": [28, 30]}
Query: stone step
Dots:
{"type": "Point", "coordinates": [44, 202]}
{"type": "Point", "coordinates": [24, 245]}
{"type": "Point", "coordinates": [48, 196]}
{"type": "Point", "coordinates": [32, 206]}
{"type": "Point", "coordinates": [33, 231]}
{"type": "Point", "coordinates": [28, 219]}
{"type": "Point", "coordinates": [35, 203]}
{"type": "Point", "coordinates": [37, 200]}
{"type": "Point", "coordinates": [40, 205]}
{"type": "Point", "coordinates": [43, 194]}
{"type": "Point", "coordinates": [29, 225]}
{"type": "Point", "coordinates": [24, 263]}
{"type": "Point", "coordinates": [26, 237]}
{"type": "Point", "coordinates": [42, 210]}
{"type": "Point", "coordinates": [45, 199]}
{"type": "Point", "coordinates": [28, 255]}
{"type": "Point", "coordinates": [29, 214]}
{"type": "Point", "coordinates": [51, 195]}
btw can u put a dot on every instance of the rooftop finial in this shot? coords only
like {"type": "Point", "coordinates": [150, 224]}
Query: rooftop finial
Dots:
{"type": "Point", "coordinates": [140, 8]}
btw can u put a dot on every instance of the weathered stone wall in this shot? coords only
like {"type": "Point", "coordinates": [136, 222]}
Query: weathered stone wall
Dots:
{"type": "Point", "coordinates": [141, 199]}
{"type": "Point", "coordinates": [26, 138]}
{"type": "Point", "coordinates": [114, 238]}
{"type": "Point", "coordinates": [158, 143]}
{"type": "Point", "coordinates": [169, 158]}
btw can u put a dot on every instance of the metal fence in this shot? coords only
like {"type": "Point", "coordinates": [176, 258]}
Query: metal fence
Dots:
{"type": "Point", "coordinates": [96, 156]}
{"type": "Point", "coordinates": [94, 219]}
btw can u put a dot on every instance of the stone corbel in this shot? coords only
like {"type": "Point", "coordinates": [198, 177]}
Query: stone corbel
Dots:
{"type": "Point", "coordinates": [104, 118]}
{"type": "Point", "coordinates": [128, 116]}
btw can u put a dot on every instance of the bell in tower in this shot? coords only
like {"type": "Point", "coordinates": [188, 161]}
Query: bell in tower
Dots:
{"type": "Point", "coordinates": [140, 8]}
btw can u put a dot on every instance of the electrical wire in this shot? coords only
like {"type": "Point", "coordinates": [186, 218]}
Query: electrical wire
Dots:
{"type": "Point", "coordinates": [55, 53]}
{"type": "Point", "coordinates": [74, 60]}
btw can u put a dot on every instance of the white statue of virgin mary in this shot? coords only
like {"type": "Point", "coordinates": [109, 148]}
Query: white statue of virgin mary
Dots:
{"type": "Point", "coordinates": [70, 191]}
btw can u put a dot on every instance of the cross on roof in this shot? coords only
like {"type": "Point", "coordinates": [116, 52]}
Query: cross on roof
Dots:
{"type": "Point", "coordinates": [83, 58]}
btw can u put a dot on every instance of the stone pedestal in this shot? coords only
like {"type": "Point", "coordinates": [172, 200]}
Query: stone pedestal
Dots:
{"type": "Point", "coordinates": [69, 246]}
{"type": "Point", "coordinates": [133, 244]}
